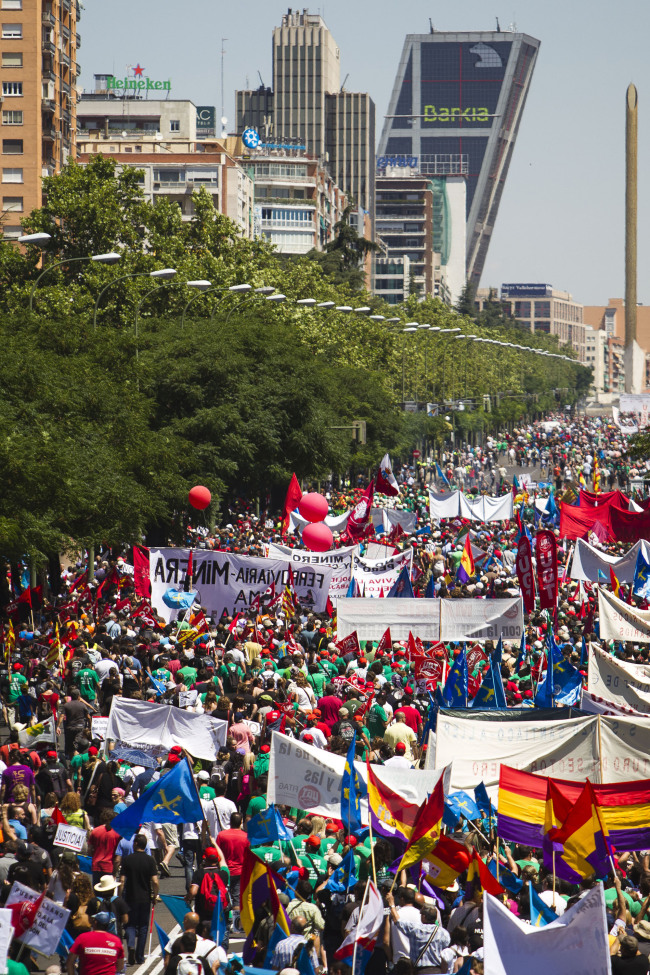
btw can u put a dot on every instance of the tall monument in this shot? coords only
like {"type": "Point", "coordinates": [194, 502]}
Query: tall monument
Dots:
{"type": "Point", "coordinates": [634, 354]}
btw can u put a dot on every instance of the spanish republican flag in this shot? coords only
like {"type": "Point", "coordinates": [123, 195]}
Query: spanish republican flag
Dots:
{"type": "Point", "coordinates": [257, 888]}
{"type": "Point", "coordinates": [614, 583]}
{"type": "Point", "coordinates": [392, 815]}
{"type": "Point", "coordinates": [426, 828]}
{"type": "Point", "coordinates": [446, 861]}
{"type": "Point", "coordinates": [466, 567]}
{"type": "Point", "coordinates": [478, 872]}
{"type": "Point", "coordinates": [584, 838]}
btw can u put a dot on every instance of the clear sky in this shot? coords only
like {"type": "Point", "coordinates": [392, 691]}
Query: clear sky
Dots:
{"type": "Point", "coordinates": [561, 218]}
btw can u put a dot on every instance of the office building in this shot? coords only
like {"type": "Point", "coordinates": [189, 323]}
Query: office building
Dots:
{"type": "Point", "coordinates": [462, 94]}
{"type": "Point", "coordinates": [542, 308]}
{"type": "Point", "coordinates": [38, 72]}
{"type": "Point", "coordinates": [610, 319]}
{"type": "Point", "coordinates": [307, 107]}
{"type": "Point", "coordinates": [105, 116]}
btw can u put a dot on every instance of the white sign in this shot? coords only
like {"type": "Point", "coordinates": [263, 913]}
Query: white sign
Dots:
{"type": "Point", "coordinates": [253, 726]}
{"type": "Point", "coordinates": [590, 565]}
{"type": "Point", "coordinates": [370, 617]}
{"type": "Point", "coordinates": [6, 936]}
{"type": "Point", "coordinates": [482, 619]}
{"type": "Point", "coordinates": [622, 683]}
{"type": "Point", "coordinates": [575, 942]}
{"type": "Point", "coordinates": [44, 731]}
{"type": "Point", "coordinates": [638, 403]}
{"type": "Point", "coordinates": [99, 726]}
{"type": "Point", "coordinates": [376, 577]}
{"type": "Point", "coordinates": [231, 582]}
{"type": "Point", "coordinates": [70, 837]}
{"type": "Point", "coordinates": [310, 778]}
{"type": "Point", "coordinates": [141, 723]}
{"type": "Point", "coordinates": [458, 505]}
{"type": "Point", "coordinates": [49, 924]}
{"type": "Point", "coordinates": [339, 559]}
{"type": "Point", "coordinates": [619, 621]}
{"type": "Point", "coordinates": [187, 699]}
{"type": "Point", "coordinates": [19, 893]}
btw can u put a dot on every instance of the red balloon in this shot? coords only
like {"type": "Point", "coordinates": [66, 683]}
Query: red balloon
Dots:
{"type": "Point", "coordinates": [317, 537]}
{"type": "Point", "coordinates": [200, 497]}
{"type": "Point", "coordinates": [313, 506]}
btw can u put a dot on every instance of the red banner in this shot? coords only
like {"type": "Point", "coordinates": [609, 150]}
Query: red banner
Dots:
{"type": "Point", "coordinates": [546, 554]}
{"type": "Point", "coordinates": [429, 673]}
{"type": "Point", "coordinates": [141, 581]}
{"type": "Point", "coordinates": [350, 644]}
{"type": "Point", "coordinates": [475, 656]}
{"type": "Point", "coordinates": [524, 566]}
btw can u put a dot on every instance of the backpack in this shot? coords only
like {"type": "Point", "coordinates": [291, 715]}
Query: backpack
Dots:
{"type": "Point", "coordinates": [231, 678]}
{"type": "Point", "coordinates": [212, 888]}
{"type": "Point", "coordinates": [80, 921]}
{"type": "Point", "coordinates": [192, 965]}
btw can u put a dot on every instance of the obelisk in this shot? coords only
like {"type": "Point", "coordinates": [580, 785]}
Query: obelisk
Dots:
{"type": "Point", "coordinates": [634, 355]}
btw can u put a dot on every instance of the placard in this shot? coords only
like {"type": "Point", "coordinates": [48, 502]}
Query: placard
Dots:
{"type": "Point", "coordinates": [70, 837]}
{"type": "Point", "coordinates": [49, 924]}
{"type": "Point", "coordinates": [98, 727]}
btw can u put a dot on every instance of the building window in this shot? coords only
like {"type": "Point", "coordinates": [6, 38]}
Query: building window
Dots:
{"type": "Point", "coordinates": [12, 118]}
{"type": "Point", "coordinates": [175, 125]}
{"type": "Point", "coordinates": [12, 147]}
{"type": "Point", "coordinates": [14, 203]}
{"type": "Point", "coordinates": [12, 176]}
{"type": "Point", "coordinates": [12, 4]}
{"type": "Point", "coordinates": [12, 32]}
{"type": "Point", "coordinates": [12, 59]}
{"type": "Point", "coordinates": [12, 89]}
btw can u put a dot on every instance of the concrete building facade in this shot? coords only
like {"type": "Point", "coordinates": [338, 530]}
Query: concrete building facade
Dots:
{"type": "Point", "coordinates": [38, 92]}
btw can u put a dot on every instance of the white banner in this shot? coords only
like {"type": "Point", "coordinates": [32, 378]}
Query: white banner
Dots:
{"type": "Point", "coordinates": [370, 617]}
{"type": "Point", "coordinates": [230, 582]}
{"type": "Point", "coordinates": [389, 517]}
{"type": "Point", "coordinates": [340, 560]}
{"type": "Point", "coordinates": [638, 403]}
{"type": "Point", "coordinates": [619, 621]}
{"type": "Point", "coordinates": [70, 837]}
{"type": "Point", "coordinates": [481, 619]}
{"type": "Point", "coordinates": [576, 942]}
{"type": "Point", "coordinates": [336, 523]}
{"type": "Point", "coordinates": [44, 731]}
{"type": "Point", "coordinates": [592, 704]}
{"type": "Point", "coordinates": [141, 723]}
{"type": "Point", "coordinates": [309, 778]}
{"type": "Point", "coordinates": [591, 565]}
{"type": "Point", "coordinates": [98, 725]}
{"type": "Point", "coordinates": [625, 748]}
{"type": "Point", "coordinates": [49, 923]}
{"type": "Point", "coordinates": [624, 684]}
{"type": "Point", "coordinates": [458, 505]}
{"type": "Point", "coordinates": [565, 749]}
{"type": "Point", "coordinates": [377, 576]}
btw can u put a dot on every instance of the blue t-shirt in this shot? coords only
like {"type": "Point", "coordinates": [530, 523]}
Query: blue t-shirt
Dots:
{"type": "Point", "coordinates": [19, 829]}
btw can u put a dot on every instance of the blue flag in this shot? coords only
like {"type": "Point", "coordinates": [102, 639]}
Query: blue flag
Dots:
{"type": "Point", "coordinates": [178, 598]}
{"type": "Point", "coordinates": [158, 685]}
{"type": "Point", "coordinates": [483, 800]}
{"type": "Point", "coordinates": [163, 938]}
{"type": "Point", "coordinates": [266, 827]}
{"type": "Point", "coordinates": [641, 584]}
{"type": "Point", "coordinates": [402, 588]}
{"type": "Point", "coordinates": [431, 722]}
{"type": "Point", "coordinates": [65, 944]}
{"type": "Point", "coordinates": [506, 878]}
{"type": "Point", "coordinates": [562, 685]}
{"type": "Point", "coordinates": [521, 656]}
{"type": "Point", "coordinates": [218, 923]}
{"type": "Point", "coordinates": [540, 913]}
{"type": "Point", "coordinates": [345, 875]}
{"type": "Point", "coordinates": [442, 477]}
{"type": "Point", "coordinates": [497, 653]}
{"type": "Point", "coordinates": [430, 591]}
{"type": "Point", "coordinates": [304, 963]}
{"type": "Point", "coordinates": [177, 906]}
{"type": "Point", "coordinates": [173, 799]}
{"type": "Point", "coordinates": [459, 804]}
{"type": "Point", "coordinates": [352, 791]}
{"type": "Point", "coordinates": [455, 690]}
{"type": "Point", "coordinates": [353, 589]}
{"type": "Point", "coordinates": [584, 654]}
{"type": "Point", "coordinates": [275, 939]}
{"type": "Point", "coordinates": [491, 693]}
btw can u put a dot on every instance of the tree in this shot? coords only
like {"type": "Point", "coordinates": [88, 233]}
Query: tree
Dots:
{"type": "Point", "coordinates": [345, 253]}
{"type": "Point", "coordinates": [465, 304]}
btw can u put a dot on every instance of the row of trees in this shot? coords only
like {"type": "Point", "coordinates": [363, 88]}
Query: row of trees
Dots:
{"type": "Point", "coordinates": [104, 429]}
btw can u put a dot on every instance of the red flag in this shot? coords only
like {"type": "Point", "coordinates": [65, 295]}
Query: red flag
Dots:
{"type": "Point", "coordinates": [360, 514]}
{"type": "Point", "coordinates": [329, 609]}
{"type": "Point", "coordinates": [546, 553]}
{"type": "Point", "coordinates": [294, 495]}
{"type": "Point", "coordinates": [83, 578]}
{"type": "Point", "coordinates": [478, 871]}
{"type": "Point", "coordinates": [524, 566]}
{"type": "Point", "coordinates": [23, 914]}
{"type": "Point", "coordinates": [187, 582]}
{"type": "Point", "coordinates": [613, 581]}
{"type": "Point", "coordinates": [396, 533]}
{"type": "Point", "coordinates": [57, 816]}
{"type": "Point", "coordinates": [349, 644]}
{"type": "Point", "coordinates": [385, 643]}
{"type": "Point", "coordinates": [141, 580]}
{"type": "Point", "coordinates": [385, 482]}
{"type": "Point", "coordinates": [475, 656]}
{"type": "Point", "coordinates": [429, 673]}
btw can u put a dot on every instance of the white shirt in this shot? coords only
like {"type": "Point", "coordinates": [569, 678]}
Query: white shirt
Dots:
{"type": "Point", "coordinates": [560, 904]}
{"type": "Point", "coordinates": [399, 941]}
{"type": "Point", "coordinates": [217, 813]}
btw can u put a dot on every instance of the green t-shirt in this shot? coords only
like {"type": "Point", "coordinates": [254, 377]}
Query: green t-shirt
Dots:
{"type": "Point", "coordinates": [256, 805]}
{"type": "Point", "coordinates": [315, 865]}
{"type": "Point", "coordinates": [376, 720]}
{"type": "Point", "coordinates": [16, 967]}
{"type": "Point", "coordinates": [188, 674]}
{"type": "Point", "coordinates": [611, 899]}
{"type": "Point", "coordinates": [207, 792]}
{"type": "Point", "coordinates": [261, 764]}
{"type": "Point", "coordinates": [87, 681]}
{"type": "Point", "coordinates": [161, 673]}
{"type": "Point", "coordinates": [16, 685]}
{"type": "Point", "coordinates": [317, 683]}
{"type": "Point", "coordinates": [269, 854]}
{"type": "Point", "coordinates": [330, 667]}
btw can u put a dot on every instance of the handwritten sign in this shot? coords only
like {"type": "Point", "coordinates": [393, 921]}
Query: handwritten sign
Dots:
{"type": "Point", "coordinates": [49, 923]}
{"type": "Point", "coordinates": [70, 837]}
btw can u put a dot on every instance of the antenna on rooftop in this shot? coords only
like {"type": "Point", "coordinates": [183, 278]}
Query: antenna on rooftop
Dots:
{"type": "Point", "coordinates": [432, 29]}
{"type": "Point", "coordinates": [498, 26]}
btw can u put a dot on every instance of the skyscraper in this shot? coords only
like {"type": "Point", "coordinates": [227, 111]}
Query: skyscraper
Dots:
{"type": "Point", "coordinates": [39, 100]}
{"type": "Point", "coordinates": [462, 94]}
{"type": "Point", "coordinates": [309, 106]}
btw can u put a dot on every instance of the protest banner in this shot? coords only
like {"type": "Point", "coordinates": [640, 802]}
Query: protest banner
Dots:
{"type": "Point", "coordinates": [428, 674]}
{"type": "Point", "coordinates": [48, 926]}
{"type": "Point", "coordinates": [336, 523]}
{"type": "Point", "coordinates": [546, 555]}
{"type": "Point", "coordinates": [339, 559]}
{"type": "Point", "coordinates": [141, 723]}
{"type": "Point", "coordinates": [476, 655]}
{"type": "Point", "coordinates": [371, 617]}
{"type": "Point", "coordinates": [619, 621]}
{"type": "Point", "coordinates": [231, 582]}
{"type": "Point", "coordinates": [524, 567]}
{"type": "Point", "coordinates": [622, 683]}
{"type": "Point", "coordinates": [376, 577]}
{"type": "Point", "coordinates": [70, 837]}
{"type": "Point", "coordinates": [99, 725]}
{"type": "Point", "coordinates": [455, 504]}
{"type": "Point", "coordinates": [591, 565]}
{"type": "Point", "coordinates": [20, 893]}
{"type": "Point", "coordinates": [310, 778]}
{"type": "Point", "coordinates": [45, 731]}
{"type": "Point", "coordinates": [6, 936]}
{"type": "Point", "coordinates": [481, 619]}
{"type": "Point", "coordinates": [576, 942]}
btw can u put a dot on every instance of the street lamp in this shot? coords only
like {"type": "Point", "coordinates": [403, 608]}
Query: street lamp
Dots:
{"type": "Point", "coordinates": [39, 240]}
{"type": "Point", "coordinates": [306, 302]}
{"type": "Point", "coordinates": [266, 292]}
{"type": "Point", "coordinates": [210, 290]}
{"type": "Point", "coordinates": [111, 258]}
{"type": "Point", "coordinates": [165, 275]}
{"type": "Point", "coordinates": [326, 304]}
{"type": "Point", "coordinates": [346, 309]}
{"type": "Point", "coordinates": [162, 274]}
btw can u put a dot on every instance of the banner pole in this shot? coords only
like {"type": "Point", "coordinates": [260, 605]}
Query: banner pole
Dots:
{"type": "Point", "coordinates": [553, 879]}
{"type": "Point", "coordinates": [372, 848]}
{"type": "Point", "coordinates": [356, 937]}
{"type": "Point", "coordinates": [600, 752]}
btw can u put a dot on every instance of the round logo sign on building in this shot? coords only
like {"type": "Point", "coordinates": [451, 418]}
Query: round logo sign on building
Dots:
{"type": "Point", "coordinates": [250, 138]}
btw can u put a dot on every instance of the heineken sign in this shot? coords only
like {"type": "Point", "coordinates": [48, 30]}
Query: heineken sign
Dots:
{"type": "Point", "coordinates": [139, 82]}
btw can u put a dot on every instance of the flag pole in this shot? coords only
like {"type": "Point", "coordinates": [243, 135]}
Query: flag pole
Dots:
{"type": "Point", "coordinates": [372, 849]}
{"type": "Point", "coordinates": [153, 907]}
{"type": "Point", "coordinates": [554, 877]}
{"type": "Point", "coordinates": [356, 937]}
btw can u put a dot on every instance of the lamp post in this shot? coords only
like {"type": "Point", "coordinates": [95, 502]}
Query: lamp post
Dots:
{"type": "Point", "coordinates": [209, 290]}
{"type": "Point", "coordinates": [162, 274]}
{"type": "Point", "coordinates": [166, 276]}
{"type": "Point", "coordinates": [264, 293]}
{"type": "Point", "coordinates": [111, 258]}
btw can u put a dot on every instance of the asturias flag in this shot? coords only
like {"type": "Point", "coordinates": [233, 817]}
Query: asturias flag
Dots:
{"type": "Point", "coordinates": [455, 691]}
{"type": "Point", "coordinates": [352, 790]}
{"type": "Point", "coordinates": [267, 827]}
{"type": "Point", "coordinates": [641, 584]}
{"type": "Point", "coordinates": [173, 799]}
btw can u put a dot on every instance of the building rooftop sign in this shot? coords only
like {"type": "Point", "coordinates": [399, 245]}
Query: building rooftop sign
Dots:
{"type": "Point", "coordinates": [139, 82]}
{"type": "Point", "coordinates": [526, 291]}
{"type": "Point", "coordinates": [252, 140]}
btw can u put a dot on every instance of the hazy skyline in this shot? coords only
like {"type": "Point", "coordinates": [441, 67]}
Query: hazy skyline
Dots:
{"type": "Point", "coordinates": [561, 215]}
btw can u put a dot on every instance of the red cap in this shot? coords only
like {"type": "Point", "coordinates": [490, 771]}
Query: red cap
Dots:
{"type": "Point", "coordinates": [265, 749]}
{"type": "Point", "coordinates": [313, 841]}
{"type": "Point", "coordinates": [408, 690]}
{"type": "Point", "coordinates": [307, 737]}
{"type": "Point", "coordinates": [92, 750]}
{"type": "Point", "coordinates": [331, 827]}
{"type": "Point", "coordinates": [317, 712]}
{"type": "Point", "coordinates": [172, 759]}
{"type": "Point", "coordinates": [176, 750]}
{"type": "Point", "coordinates": [51, 755]}
{"type": "Point", "coordinates": [211, 851]}
{"type": "Point", "coordinates": [363, 661]}
{"type": "Point", "coordinates": [400, 747]}
{"type": "Point", "coordinates": [18, 666]}
{"type": "Point", "coordinates": [351, 840]}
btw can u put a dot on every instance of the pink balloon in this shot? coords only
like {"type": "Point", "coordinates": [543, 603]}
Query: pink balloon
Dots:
{"type": "Point", "coordinates": [317, 537]}
{"type": "Point", "coordinates": [199, 497]}
{"type": "Point", "coordinates": [313, 506]}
